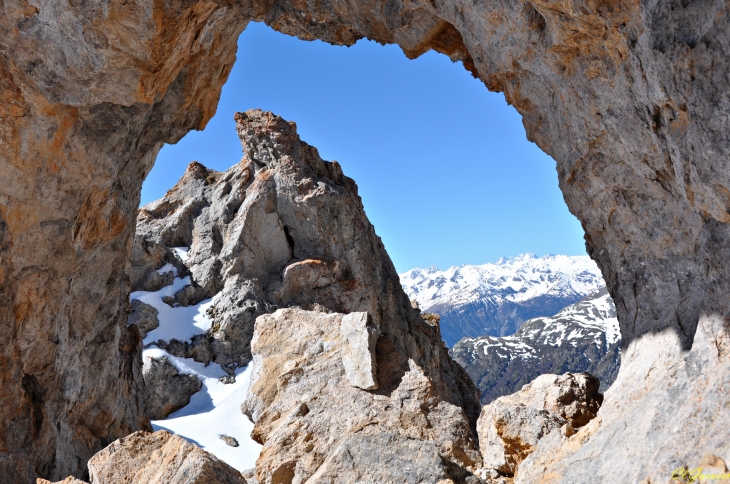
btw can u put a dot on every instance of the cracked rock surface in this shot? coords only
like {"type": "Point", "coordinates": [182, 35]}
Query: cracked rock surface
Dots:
{"type": "Point", "coordinates": [316, 426]}
{"type": "Point", "coordinates": [165, 389]}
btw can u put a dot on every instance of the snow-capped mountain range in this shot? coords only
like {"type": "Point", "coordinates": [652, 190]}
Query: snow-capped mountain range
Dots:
{"type": "Point", "coordinates": [582, 337]}
{"type": "Point", "coordinates": [494, 299]}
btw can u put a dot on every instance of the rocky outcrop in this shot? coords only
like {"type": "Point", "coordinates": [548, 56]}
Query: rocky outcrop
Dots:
{"type": "Point", "coordinates": [629, 98]}
{"type": "Point", "coordinates": [166, 390]}
{"type": "Point", "coordinates": [284, 228]}
{"type": "Point", "coordinates": [143, 316]}
{"type": "Point", "coordinates": [510, 427]}
{"type": "Point", "coordinates": [159, 458]}
{"type": "Point", "coordinates": [316, 425]}
{"type": "Point", "coordinates": [581, 337]}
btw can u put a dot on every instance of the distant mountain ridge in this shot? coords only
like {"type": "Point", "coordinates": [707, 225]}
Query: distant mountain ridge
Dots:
{"type": "Point", "coordinates": [582, 337]}
{"type": "Point", "coordinates": [495, 299]}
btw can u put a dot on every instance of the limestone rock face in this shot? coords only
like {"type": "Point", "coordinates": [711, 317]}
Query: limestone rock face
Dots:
{"type": "Point", "coordinates": [629, 97]}
{"type": "Point", "coordinates": [359, 338]}
{"type": "Point", "coordinates": [510, 427]}
{"type": "Point", "coordinates": [165, 389]}
{"type": "Point", "coordinates": [285, 228]}
{"type": "Point", "coordinates": [316, 426]}
{"type": "Point", "coordinates": [159, 458]}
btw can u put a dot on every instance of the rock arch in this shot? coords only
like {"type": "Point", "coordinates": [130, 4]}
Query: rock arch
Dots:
{"type": "Point", "coordinates": [629, 97]}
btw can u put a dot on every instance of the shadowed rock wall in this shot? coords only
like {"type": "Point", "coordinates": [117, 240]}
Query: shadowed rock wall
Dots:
{"type": "Point", "coordinates": [629, 98]}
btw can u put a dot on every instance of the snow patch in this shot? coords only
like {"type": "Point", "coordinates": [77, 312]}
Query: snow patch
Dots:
{"type": "Point", "coordinates": [182, 252]}
{"type": "Point", "coordinates": [167, 268]}
{"type": "Point", "coordinates": [180, 323]}
{"type": "Point", "coordinates": [213, 411]}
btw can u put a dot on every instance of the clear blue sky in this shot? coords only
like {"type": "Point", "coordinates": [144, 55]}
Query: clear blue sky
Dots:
{"type": "Point", "coordinates": [444, 168]}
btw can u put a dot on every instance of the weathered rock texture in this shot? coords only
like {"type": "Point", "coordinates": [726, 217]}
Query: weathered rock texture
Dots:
{"type": "Point", "coordinates": [629, 97]}
{"type": "Point", "coordinates": [510, 427]}
{"type": "Point", "coordinates": [166, 390]}
{"type": "Point", "coordinates": [159, 458]}
{"type": "Point", "coordinates": [316, 426]}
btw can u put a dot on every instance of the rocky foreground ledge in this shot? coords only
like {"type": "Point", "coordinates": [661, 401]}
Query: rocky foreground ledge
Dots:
{"type": "Point", "coordinates": [319, 425]}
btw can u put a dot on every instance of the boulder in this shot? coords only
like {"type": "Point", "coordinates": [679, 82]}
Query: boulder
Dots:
{"type": "Point", "coordinates": [510, 427]}
{"type": "Point", "coordinates": [166, 390]}
{"type": "Point", "coordinates": [316, 425]}
{"type": "Point", "coordinates": [143, 316]}
{"type": "Point", "coordinates": [159, 458]}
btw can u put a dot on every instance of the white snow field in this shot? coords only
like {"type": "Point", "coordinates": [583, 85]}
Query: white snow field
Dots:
{"type": "Point", "coordinates": [215, 409]}
{"type": "Point", "coordinates": [514, 279]}
{"type": "Point", "coordinates": [212, 412]}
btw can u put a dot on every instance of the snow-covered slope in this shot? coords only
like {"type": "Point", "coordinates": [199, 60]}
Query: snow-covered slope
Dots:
{"type": "Point", "coordinates": [494, 299]}
{"type": "Point", "coordinates": [582, 337]}
{"type": "Point", "coordinates": [215, 409]}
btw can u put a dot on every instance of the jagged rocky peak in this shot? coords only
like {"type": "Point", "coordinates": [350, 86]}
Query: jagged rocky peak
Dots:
{"type": "Point", "coordinates": [280, 228]}
{"type": "Point", "coordinates": [285, 229]}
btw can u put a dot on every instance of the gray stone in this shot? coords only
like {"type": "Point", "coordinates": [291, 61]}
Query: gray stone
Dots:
{"type": "Point", "coordinates": [143, 316]}
{"type": "Point", "coordinates": [229, 440]}
{"type": "Point", "coordinates": [359, 337]}
{"type": "Point", "coordinates": [250, 476]}
{"type": "Point", "coordinates": [165, 389]}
